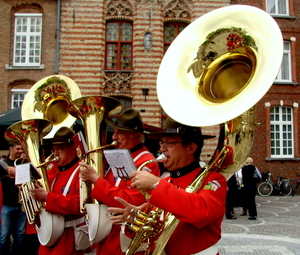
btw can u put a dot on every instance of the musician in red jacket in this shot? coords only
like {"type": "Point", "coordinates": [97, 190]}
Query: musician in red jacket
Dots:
{"type": "Point", "coordinates": [63, 198]}
{"type": "Point", "coordinates": [128, 133]}
{"type": "Point", "coordinates": [200, 212]}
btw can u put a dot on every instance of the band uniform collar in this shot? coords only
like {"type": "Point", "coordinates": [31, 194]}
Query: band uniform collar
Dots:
{"type": "Point", "coordinates": [185, 170]}
{"type": "Point", "coordinates": [68, 166]}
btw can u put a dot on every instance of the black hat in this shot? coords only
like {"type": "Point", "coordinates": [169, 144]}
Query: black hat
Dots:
{"type": "Point", "coordinates": [63, 136]}
{"type": "Point", "coordinates": [173, 127]}
{"type": "Point", "coordinates": [129, 120]}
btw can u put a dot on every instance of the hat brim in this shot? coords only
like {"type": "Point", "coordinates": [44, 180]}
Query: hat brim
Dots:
{"type": "Point", "coordinates": [112, 124]}
{"type": "Point", "coordinates": [159, 135]}
{"type": "Point", "coordinates": [49, 142]}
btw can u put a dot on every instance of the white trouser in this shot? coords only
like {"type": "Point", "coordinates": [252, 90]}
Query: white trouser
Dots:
{"type": "Point", "coordinates": [212, 250]}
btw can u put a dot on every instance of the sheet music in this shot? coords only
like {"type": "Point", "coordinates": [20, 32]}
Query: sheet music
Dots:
{"type": "Point", "coordinates": [120, 161]}
{"type": "Point", "coordinates": [22, 174]}
{"type": "Point", "coordinates": [26, 173]}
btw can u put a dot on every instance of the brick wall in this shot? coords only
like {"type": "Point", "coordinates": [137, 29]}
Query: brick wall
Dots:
{"type": "Point", "coordinates": [20, 78]}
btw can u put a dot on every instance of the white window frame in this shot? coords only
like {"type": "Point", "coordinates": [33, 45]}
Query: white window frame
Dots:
{"type": "Point", "coordinates": [281, 132]}
{"type": "Point", "coordinates": [17, 92]}
{"type": "Point", "coordinates": [28, 54]}
{"type": "Point", "coordinates": [274, 7]}
{"type": "Point", "coordinates": [285, 71]}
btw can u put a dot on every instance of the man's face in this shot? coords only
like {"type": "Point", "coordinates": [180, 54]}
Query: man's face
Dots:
{"type": "Point", "coordinates": [175, 152]}
{"type": "Point", "coordinates": [125, 139]}
{"type": "Point", "coordinates": [64, 152]}
{"type": "Point", "coordinates": [15, 152]}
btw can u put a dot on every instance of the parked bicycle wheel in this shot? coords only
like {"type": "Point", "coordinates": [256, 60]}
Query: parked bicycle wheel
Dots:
{"type": "Point", "coordinates": [297, 186]}
{"type": "Point", "coordinates": [286, 188]}
{"type": "Point", "coordinates": [265, 189]}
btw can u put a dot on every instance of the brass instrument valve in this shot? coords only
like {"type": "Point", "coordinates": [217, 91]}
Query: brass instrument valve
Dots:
{"type": "Point", "coordinates": [147, 221]}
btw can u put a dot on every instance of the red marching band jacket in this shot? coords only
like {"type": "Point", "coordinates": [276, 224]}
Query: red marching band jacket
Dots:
{"type": "Point", "coordinates": [105, 190]}
{"type": "Point", "coordinates": [68, 206]}
{"type": "Point", "coordinates": [200, 213]}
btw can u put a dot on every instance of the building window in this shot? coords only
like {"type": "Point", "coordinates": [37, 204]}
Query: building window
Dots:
{"type": "Point", "coordinates": [17, 97]}
{"type": "Point", "coordinates": [171, 30]}
{"type": "Point", "coordinates": [125, 101]}
{"type": "Point", "coordinates": [27, 39]}
{"type": "Point", "coordinates": [118, 45]}
{"type": "Point", "coordinates": [278, 7]}
{"type": "Point", "coordinates": [281, 132]}
{"type": "Point", "coordinates": [284, 73]}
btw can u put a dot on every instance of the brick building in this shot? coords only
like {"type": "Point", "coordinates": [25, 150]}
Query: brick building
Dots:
{"type": "Point", "coordinates": [115, 47]}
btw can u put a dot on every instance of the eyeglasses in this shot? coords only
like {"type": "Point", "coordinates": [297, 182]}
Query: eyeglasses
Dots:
{"type": "Point", "coordinates": [167, 144]}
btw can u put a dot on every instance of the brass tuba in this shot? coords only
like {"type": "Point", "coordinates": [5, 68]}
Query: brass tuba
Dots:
{"type": "Point", "coordinates": [46, 102]}
{"type": "Point", "coordinates": [92, 110]}
{"type": "Point", "coordinates": [29, 133]}
{"type": "Point", "coordinates": [219, 76]}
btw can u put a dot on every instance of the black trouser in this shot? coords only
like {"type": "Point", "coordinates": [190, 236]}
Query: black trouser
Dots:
{"type": "Point", "coordinates": [250, 193]}
{"type": "Point", "coordinates": [230, 201]}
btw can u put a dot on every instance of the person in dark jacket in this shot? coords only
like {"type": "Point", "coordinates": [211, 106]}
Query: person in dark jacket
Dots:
{"type": "Point", "coordinates": [13, 218]}
{"type": "Point", "coordinates": [249, 172]}
{"type": "Point", "coordinates": [231, 196]}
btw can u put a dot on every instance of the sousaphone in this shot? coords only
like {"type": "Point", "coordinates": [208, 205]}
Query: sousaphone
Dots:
{"type": "Point", "coordinates": [214, 73]}
{"type": "Point", "coordinates": [220, 65]}
{"type": "Point", "coordinates": [49, 99]}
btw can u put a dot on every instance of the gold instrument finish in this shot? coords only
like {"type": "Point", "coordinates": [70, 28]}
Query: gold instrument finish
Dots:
{"type": "Point", "coordinates": [220, 71]}
{"type": "Point", "coordinates": [29, 134]}
{"type": "Point", "coordinates": [220, 74]}
{"type": "Point", "coordinates": [49, 99]}
{"type": "Point", "coordinates": [92, 110]}
{"type": "Point", "coordinates": [146, 223]}
{"type": "Point", "coordinates": [161, 158]}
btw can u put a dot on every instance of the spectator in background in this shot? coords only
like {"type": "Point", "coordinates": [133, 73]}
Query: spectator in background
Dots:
{"type": "Point", "coordinates": [250, 176]}
{"type": "Point", "coordinates": [12, 217]}
{"type": "Point", "coordinates": [232, 189]}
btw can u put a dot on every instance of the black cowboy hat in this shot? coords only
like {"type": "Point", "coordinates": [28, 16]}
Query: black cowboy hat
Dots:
{"type": "Point", "coordinates": [172, 127]}
{"type": "Point", "coordinates": [63, 136]}
{"type": "Point", "coordinates": [129, 120]}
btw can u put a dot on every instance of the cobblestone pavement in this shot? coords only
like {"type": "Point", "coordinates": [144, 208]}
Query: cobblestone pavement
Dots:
{"type": "Point", "coordinates": [276, 230]}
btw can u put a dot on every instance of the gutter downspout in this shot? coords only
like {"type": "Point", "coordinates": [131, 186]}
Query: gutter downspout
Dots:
{"type": "Point", "coordinates": [57, 35]}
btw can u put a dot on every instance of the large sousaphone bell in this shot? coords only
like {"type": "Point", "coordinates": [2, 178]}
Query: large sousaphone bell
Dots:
{"type": "Point", "coordinates": [214, 73]}
{"type": "Point", "coordinates": [207, 77]}
{"type": "Point", "coordinates": [49, 99]}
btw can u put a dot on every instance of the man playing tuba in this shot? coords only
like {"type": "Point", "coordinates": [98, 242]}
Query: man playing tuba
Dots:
{"type": "Point", "coordinates": [63, 198]}
{"type": "Point", "coordinates": [200, 213]}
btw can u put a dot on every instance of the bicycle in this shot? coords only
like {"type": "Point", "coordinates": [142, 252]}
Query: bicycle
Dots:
{"type": "Point", "coordinates": [296, 187]}
{"type": "Point", "coordinates": [283, 186]}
